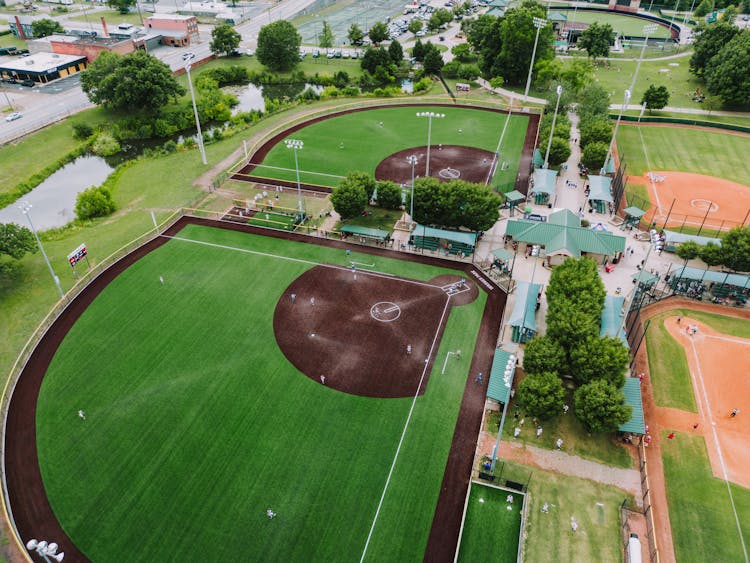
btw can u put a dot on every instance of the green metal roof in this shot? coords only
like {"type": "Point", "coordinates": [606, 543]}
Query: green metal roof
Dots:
{"type": "Point", "coordinates": [574, 240]}
{"type": "Point", "coordinates": [636, 212]}
{"type": "Point", "coordinates": [364, 231]}
{"type": "Point", "coordinates": [500, 384]}
{"type": "Point", "coordinates": [564, 217]}
{"type": "Point", "coordinates": [515, 196]}
{"type": "Point", "coordinates": [502, 254]}
{"type": "Point", "coordinates": [632, 392]}
{"type": "Point", "coordinates": [557, 17]}
{"type": "Point", "coordinates": [689, 273]}
{"type": "Point", "coordinates": [537, 159]}
{"type": "Point", "coordinates": [600, 188]}
{"type": "Point", "coordinates": [544, 181]}
{"type": "Point", "coordinates": [646, 278]}
{"type": "Point", "coordinates": [524, 311]}
{"type": "Point", "coordinates": [454, 236]}
{"type": "Point", "coordinates": [678, 238]}
{"type": "Point", "coordinates": [612, 316]}
{"type": "Point", "coordinates": [610, 169]}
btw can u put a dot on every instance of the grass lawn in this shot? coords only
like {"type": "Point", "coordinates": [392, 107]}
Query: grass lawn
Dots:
{"type": "Point", "coordinates": [595, 507]}
{"type": "Point", "coordinates": [676, 148]}
{"type": "Point", "coordinates": [113, 17]}
{"type": "Point", "coordinates": [576, 441]}
{"type": "Point", "coordinates": [703, 525]}
{"type": "Point", "coordinates": [11, 40]}
{"type": "Point", "coordinates": [697, 119]}
{"type": "Point", "coordinates": [491, 530]}
{"type": "Point", "coordinates": [287, 200]}
{"type": "Point", "coordinates": [272, 221]}
{"type": "Point", "coordinates": [622, 25]}
{"type": "Point", "coordinates": [365, 143]}
{"type": "Point", "coordinates": [377, 218]}
{"type": "Point", "coordinates": [189, 436]}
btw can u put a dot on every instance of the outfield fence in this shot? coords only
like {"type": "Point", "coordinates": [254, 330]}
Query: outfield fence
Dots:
{"type": "Point", "coordinates": [653, 548]}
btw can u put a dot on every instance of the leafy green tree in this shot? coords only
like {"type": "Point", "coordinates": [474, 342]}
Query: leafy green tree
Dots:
{"type": "Point", "coordinates": [655, 97]}
{"type": "Point", "coordinates": [594, 155]}
{"type": "Point", "coordinates": [450, 70]}
{"type": "Point", "coordinates": [517, 34]}
{"type": "Point", "coordinates": [548, 72]}
{"type": "Point", "coordinates": [365, 180]}
{"type": "Point", "coordinates": [599, 358]}
{"type": "Point", "coordinates": [94, 202]}
{"type": "Point", "coordinates": [568, 325]}
{"type": "Point", "coordinates": [15, 242]}
{"type": "Point", "coordinates": [355, 35]}
{"type": "Point", "coordinates": [349, 199]}
{"type": "Point", "coordinates": [396, 52]}
{"type": "Point", "coordinates": [593, 103]}
{"type": "Point", "coordinates": [455, 204]}
{"type": "Point", "coordinates": [122, 6]}
{"type": "Point", "coordinates": [375, 57]}
{"type": "Point", "coordinates": [326, 38]}
{"type": "Point", "coordinates": [468, 72]}
{"type": "Point", "coordinates": [433, 60]}
{"type": "Point", "coordinates": [278, 45]}
{"type": "Point", "coordinates": [704, 8]}
{"type": "Point", "coordinates": [559, 151]}
{"type": "Point", "coordinates": [439, 17]}
{"type": "Point", "coordinates": [389, 195]}
{"type": "Point", "coordinates": [463, 53]}
{"type": "Point", "coordinates": [596, 131]}
{"type": "Point", "coordinates": [729, 15]}
{"type": "Point", "coordinates": [711, 254]}
{"type": "Point", "coordinates": [688, 250]}
{"type": "Point", "coordinates": [727, 74]}
{"type": "Point", "coordinates": [378, 33]}
{"type": "Point", "coordinates": [601, 407]}
{"type": "Point", "coordinates": [576, 74]}
{"type": "Point", "coordinates": [542, 395]}
{"type": "Point", "coordinates": [578, 280]}
{"type": "Point", "coordinates": [596, 39]}
{"type": "Point", "coordinates": [133, 82]}
{"type": "Point", "coordinates": [418, 50]}
{"type": "Point", "coordinates": [415, 26]}
{"type": "Point", "coordinates": [46, 27]}
{"type": "Point", "coordinates": [736, 249]}
{"type": "Point", "coordinates": [708, 42]}
{"type": "Point", "coordinates": [543, 354]}
{"type": "Point", "coordinates": [745, 6]}
{"type": "Point", "coordinates": [224, 39]}
{"type": "Point", "coordinates": [82, 131]}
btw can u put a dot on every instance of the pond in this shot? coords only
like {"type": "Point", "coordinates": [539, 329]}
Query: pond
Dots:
{"type": "Point", "coordinates": [250, 97]}
{"type": "Point", "coordinates": [53, 201]}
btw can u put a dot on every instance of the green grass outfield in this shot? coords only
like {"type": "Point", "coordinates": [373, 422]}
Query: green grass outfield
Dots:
{"type": "Point", "coordinates": [491, 531]}
{"type": "Point", "coordinates": [686, 150]}
{"type": "Point", "coordinates": [703, 524]}
{"type": "Point", "coordinates": [196, 423]}
{"type": "Point", "coordinates": [622, 25]}
{"type": "Point", "coordinates": [272, 220]}
{"type": "Point", "coordinates": [366, 144]}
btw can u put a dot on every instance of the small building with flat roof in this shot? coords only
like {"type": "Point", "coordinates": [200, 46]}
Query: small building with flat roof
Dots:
{"type": "Point", "coordinates": [42, 67]}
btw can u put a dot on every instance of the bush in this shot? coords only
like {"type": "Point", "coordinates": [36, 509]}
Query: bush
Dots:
{"type": "Point", "coordinates": [542, 395]}
{"type": "Point", "coordinates": [82, 131]}
{"type": "Point", "coordinates": [422, 85]}
{"type": "Point", "coordinates": [389, 195]}
{"type": "Point", "coordinates": [594, 155]}
{"type": "Point", "coordinates": [543, 354]}
{"type": "Point", "coordinates": [559, 151]}
{"type": "Point", "coordinates": [468, 72]}
{"type": "Point", "coordinates": [105, 145]}
{"type": "Point", "coordinates": [169, 147]}
{"type": "Point", "coordinates": [450, 70]}
{"type": "Point", "coordinates": [94, 202]}
{"type": "Point", "coordinates": [601, 407]}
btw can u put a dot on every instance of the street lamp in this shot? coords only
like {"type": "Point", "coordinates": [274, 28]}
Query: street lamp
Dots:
{"type": "Point", "coordinates": [413, 161]}
{"type": "Point", "coordinates": [429, 115]}
{"type": "Point", "coordinates": [296, 145]}
{"type": "Point", "coordinates": [45, 549]}
{"type": "Point", "coordinates": [25, 208]}
{"type": "Point", "coordinates": [539, 23]}
{"type": "Point", "coordinates": [187, 57]}
{"type": "Point", "coordinates": [552, 130]}
{"type": "Point", "coordinates": [647, 31]}
{"type": "Point", "coordinates": [614, 133]}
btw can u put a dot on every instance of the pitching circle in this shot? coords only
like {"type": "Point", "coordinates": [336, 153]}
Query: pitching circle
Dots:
{"type": "Point", "coordinates": [385, 311]}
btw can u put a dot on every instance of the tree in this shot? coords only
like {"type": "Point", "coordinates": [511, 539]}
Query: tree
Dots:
{"type": "Point", "coordinates": [450, 70]}
{"type": "Point", "coordinates": [704, 8]}
{"type": "Point", "coordinates": [543, 354]}
{"type": "Point", "coordinates": [378, 32]}
{"type": "Point", "coordinates": [375, 57]}
{"type": "Point", "coordinates": [278, 45]}
{"type": "Point", "coordinates": [349, 199]}
{"type": "Point", "coordinates": [463, 53]}
{"type": "Point", "coordinates": [568, 325]}
{"type": "Point", "coordinates": [596, 40]}
{"type": "Point", "coordinates": [727, 74]}
{"type": "Point", "coordinates": [326, 36]}
{"type": "Point", "coordinates": [577, 74]}
{"type": "Point", "coordinates": [46, 27]}
{"type": "Point", "coordinates": [559, 151]}
{"type": "Point", "coordinates": [596, 131]}
{"type": "Point", "coordinates": [578, 281]}
{"type": "Point", "coordinates": [729, 15]}
{"type": "Point", "coordinates": [94, 202]}
{"type": "Point", "coordinates": [736, 249]}
{"type": "Point", "coordinates": [224, 39]}
{"type": "Point", "coordinates": [396, 52]}
{"type": "Point", "coordinates": [517, 33]}
{"type": "Point", "coordinates": [688, 250]}
{"type": "Point", "coordinates": [433, 60]}
{"type": "Point", "coordinates": [599, 358]}
{"type": "Point", "coordinates": [711, 254]}
{"type": "Point", "coordinates": [655, 97]}
{"type": "Point", "coordinates": [122, 6]}
{"type": "Point", "coordinates": [365, 180]}
{"type": "Point", "coordinates": [601, 407]}
{"type": "Point", "coordinates": [15, 242]}
{"type": "Point", "coordinates": [439, 17]}
{"type": "Point", "coordinates": [542, 395]}
{"type": "Point", "coordinates": [136, 81]}
{"type": "Point", "coordinates": [593, 103]}
{"type": "Point", "coordinates": [594, 155]}
{"type": "Point", "coordinates": [454, 204]}
{"type": "Point", "coordinates": [415, 26]}
{"type": "Point", "coordinates": [418, 50]}
{"type": "Point", "coordinates": [389, 195]}
{"type": "Point", "coordinates": [708, 42]}
{"type": "Point", "coordinates": [355, 35]}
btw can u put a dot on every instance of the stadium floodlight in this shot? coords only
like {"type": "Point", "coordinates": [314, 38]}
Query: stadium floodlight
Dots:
{"type": "Point", "coordinates": [45, 549]}
{"type": "Point", "coordinates": [25, 209]}
{"type": "Point", "coordinates": [296, 145]}
{"type": "Point", "coordinates": [413, 161]}
{"type": "Point", "coordinates": [539, 23]}
{"type": "Point", "coordinates": [648, 30]}
{"type": "Point", "coordinates": [624, 106]}
{"type": "Point", "coordinates": [188, 57]}
{"type": "Point", "coordinates": [429, 115]}
{"type": "Point", "coordinates": [552, 130]}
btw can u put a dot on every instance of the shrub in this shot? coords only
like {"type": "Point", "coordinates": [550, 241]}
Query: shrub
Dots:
{"type": "Point", "coordinates": [105, 145]}
{"type": "Point", "coordinates": [82, 131]}
{"type": "Point", "coordinates": [94, 202]}
{"type": "Point", "coordinates": [594, 155]}
{"type": "Point", "coordinates": [542, 395]}
{"type": "Point", "coordinates": [389, 195]}
{"type": "Point", "coordinates": [450, 70]}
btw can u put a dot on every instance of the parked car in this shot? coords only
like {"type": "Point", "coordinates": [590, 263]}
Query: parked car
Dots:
{"type": "Point", "coordinates": [13, 116]}
{"type": "Point", "coordinates": [28, 82]}
{"type": "Point", "coordinates": [316, 53]}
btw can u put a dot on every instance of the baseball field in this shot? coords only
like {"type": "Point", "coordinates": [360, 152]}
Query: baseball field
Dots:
{"type": "Point", "coordinates": [211, 382]}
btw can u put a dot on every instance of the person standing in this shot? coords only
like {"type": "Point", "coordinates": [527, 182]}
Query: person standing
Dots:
{"type": "Point", "coordinates": [81, 414]}
{"type": "Point", "coordinates": [734, 413]}
{"type": "Point", "coordinates": [679, 319]}
{"type": "Point", "coordinates": [323, 379]}
{"type": "Point", "coordinates": [161, 280]}
{"type": "Point", "coordinates": [293, 297]}
{"type": "Point", "coordinates": [479, 377]}
{"type": "Point", "coordinates": [408, 349]}
{"type": "Point", "coordinates": [312, 301]}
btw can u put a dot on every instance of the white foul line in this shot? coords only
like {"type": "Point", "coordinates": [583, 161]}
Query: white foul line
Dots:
{"type": "Point", "coordinates": [403, 434]}
{"type": "Point", "coordinates": [650, 177]}
{"type": "Point", "coordinates": [718, 447]}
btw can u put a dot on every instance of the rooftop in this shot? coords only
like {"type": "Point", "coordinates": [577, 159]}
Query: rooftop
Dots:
{"type": "Point", "coordinates": [40, 62]}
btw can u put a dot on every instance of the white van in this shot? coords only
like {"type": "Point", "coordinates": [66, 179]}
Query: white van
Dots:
{"type": "Point", "coordinates": [634, 549]}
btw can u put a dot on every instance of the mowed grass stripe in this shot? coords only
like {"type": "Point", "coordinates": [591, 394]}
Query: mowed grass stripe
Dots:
{"type": "Point", "coordinates": [196, 423]}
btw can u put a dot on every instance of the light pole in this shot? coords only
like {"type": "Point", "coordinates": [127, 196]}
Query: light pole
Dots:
{"type": "Point", "coordinates": [296, 145]}
{"type": "Point", "coordinates": [552, 130]}
{"type": "Point", "coordinates": [46, 550]}
{"type": "Point", "coordinates": [429, 115]}
{"type": "Point", "coordinates": [614, 133]}
{"type": "Point", "coordinates": [539, 23]}
{"type": "Point", "coordinates": [7, 99]}
{"type": "Point", "coordinates": [413, 161]}
{"type": "Point", "coordinates": [25, 208]}
{"type": "Point", "coordinates": [647, 31]}
{"type": "Point", "coordinates": [187, 57]}
{"type": "Point", "coordinates": [508, 376]}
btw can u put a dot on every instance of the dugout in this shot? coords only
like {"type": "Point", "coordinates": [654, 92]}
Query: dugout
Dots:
{"type": "Point", "coordinates": [537, 160]}
{"type": "Point", "coordinates": [502, 373]}
{"type": "Point", "coordinates": [366, 234]}
{"type": "Point", "coordinates": [500, 259]}
{"type": "Point", "coordinates": [460, 243]}
{"type": "Point", "coordinates": [612, 318]}
{"type": "Point", "coordinates": [544, 186]}
{"type": "Point", "coordinates": [633, 398]}
{"type": "Point", "coordinates": [600, 193]}
{"type": "Point", "coordinates": [523, 317]}
{"type": "Point", "coordinates": [674, 239]}
{"type": "Point", "coordinates": [722, 285]}
{"type": "Point", "coordinates": [633, 217]}
{"type": "Point", "coordinates": [512, 199]}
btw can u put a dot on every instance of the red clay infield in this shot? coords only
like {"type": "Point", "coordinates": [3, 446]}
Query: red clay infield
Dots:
{"type": "Point", "coordinates": [31, 511]}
